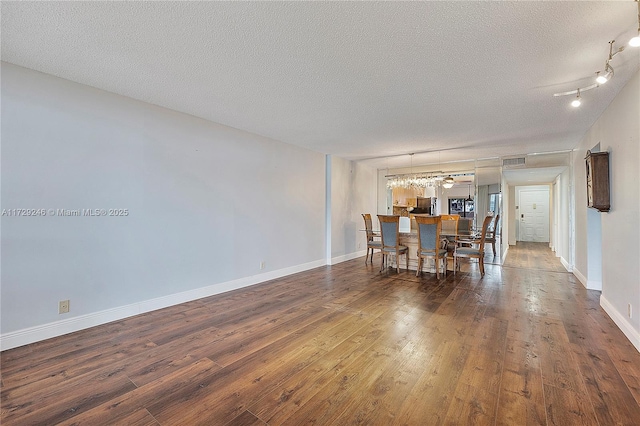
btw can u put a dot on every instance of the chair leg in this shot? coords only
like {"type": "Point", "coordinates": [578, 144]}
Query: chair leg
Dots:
{"type": "Point", "coordinates": [366, 258]}
{"type": "Point", "coordinates": [406, 257]}
{"type": "Point", "coordinates": [481, 262]}
{"type": "Point", "coordinates": [419, 270]}
{"type": "Point", "coordinates": [493, 246]}
{"type": "Point", "coordinates": [455, 263]}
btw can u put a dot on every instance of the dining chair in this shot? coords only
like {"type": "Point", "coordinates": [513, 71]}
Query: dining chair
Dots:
{"type": "Point", "coordinates": [465, 226]}
{"type": "Point", "coordinates": [429, 243]}
{"type": "Point", "coordinates": [493, 233]}
{"type": "Point", "coordinates": [450, 223]}
{"type": "Point", "coordinates": [450, 231]}
{"type": "Point", "coordinates": [473, 252]}
{"type": "Point", "coordinates": [390, 230]}
{"type": "Point", "coordinates": [371, 243]}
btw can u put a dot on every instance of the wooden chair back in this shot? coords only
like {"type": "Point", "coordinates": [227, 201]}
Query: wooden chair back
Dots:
{"type": "Point", "coordinates": [485, 227]}
{"type": "Point", "coordinates": [368, 226]}
{"type": "Point", "coordinates": [495, 230]}
{"type": "Point", "coordinates": [450, 223]}
{"type": "Point", "coordinates": [390, 231]}
{"type": "Point", "coordinates": [465, 226]}
{"type": "Point", "coordinates": [429, 229]}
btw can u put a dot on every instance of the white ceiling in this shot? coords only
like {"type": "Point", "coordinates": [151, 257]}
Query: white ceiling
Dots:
{"type": "Point", "coordinates": [360, 80]}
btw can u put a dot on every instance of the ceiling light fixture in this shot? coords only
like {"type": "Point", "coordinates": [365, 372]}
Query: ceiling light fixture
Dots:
{"type": "Point", "coordinates": [608, 69]}
{"type": "Point", "coordinates": [608, 73]}
{"type": "Point", "coordinates": [448, 182]}
{"type": "Point", "coordinates": [421, 180]}
{"type": "Point", "coordinates": [635, 42]}
{"type": "Point", "coordinates": [601, 77]}
{"type": "Point", "coordinates": [577, 101]}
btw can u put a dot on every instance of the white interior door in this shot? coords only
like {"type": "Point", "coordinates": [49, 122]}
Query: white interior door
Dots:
{"type": "Point", "coordinates": [534, 215]}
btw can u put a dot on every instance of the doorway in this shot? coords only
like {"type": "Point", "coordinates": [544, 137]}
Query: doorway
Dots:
{"type": "Point", "coordinates": [533, 213]}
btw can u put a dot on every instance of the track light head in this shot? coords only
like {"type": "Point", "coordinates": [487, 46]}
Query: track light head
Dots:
{"type": "Point", "coordinates": [601, 79]}
{"type": "Point", "coordinates": [577, 101]}
{"type": "Point", "coordinates": [608, 73]}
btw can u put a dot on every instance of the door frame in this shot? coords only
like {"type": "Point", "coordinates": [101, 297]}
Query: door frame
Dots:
{"type": "Point", "coordinates": [532, 188]}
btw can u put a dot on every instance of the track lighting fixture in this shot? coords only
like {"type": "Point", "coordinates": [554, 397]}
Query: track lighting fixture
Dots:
{"type": "Point", "coordinates": [607, 74]}
{"type": "Point", "coordinates": [608, 69]}
{"type": "Point", "coordinates": [577, 101]}
{"type": "Point", "coordinates": [635, 42]}
{"type": "Point", "coordinates": [601, 77]}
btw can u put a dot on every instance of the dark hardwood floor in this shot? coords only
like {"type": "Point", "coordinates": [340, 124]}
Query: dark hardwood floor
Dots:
{"type": "Point", "coordinates": [345, 344]}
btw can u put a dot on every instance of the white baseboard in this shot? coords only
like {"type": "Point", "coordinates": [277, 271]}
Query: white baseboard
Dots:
{"type": "Point", "coordinates": [350, 256]}
{"type": "Point", "coordinates": [621, 321]}
{"type": "Point", "coordinates": [70, 325]}
{"type": "Point", "coordinates": [566, 265]}
{"type": "Point", "coordinates": [579, 276]}
{"type": "Point", "coordinates": [504, 253]}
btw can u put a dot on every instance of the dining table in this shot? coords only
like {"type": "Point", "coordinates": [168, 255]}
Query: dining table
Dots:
{"type": "Point", "coordinates": [409, 238]}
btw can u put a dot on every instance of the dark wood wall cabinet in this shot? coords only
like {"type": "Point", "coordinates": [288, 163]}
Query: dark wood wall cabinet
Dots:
{"type": "Point", "coordinates": [598, 181]}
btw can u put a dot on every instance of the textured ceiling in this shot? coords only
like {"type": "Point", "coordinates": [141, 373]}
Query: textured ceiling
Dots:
{"type": "Point", "coordinates": [360, 80]}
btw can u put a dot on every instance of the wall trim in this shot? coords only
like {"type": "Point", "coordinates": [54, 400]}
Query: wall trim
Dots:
{"type": "Point", "coordinates": [58, 328]}
{"type": "Point", "coordinates": [623, 324]}
{"type": "Point", "coordinates": [586, 283]}
{"type": "Point", "coordinates": [566, 265]}
{"type": "Point", "coordinates": [345, 257]}
{"type": "Point", "coordinates": [504, 253]}
{"type": "Point", "coordinates": [583, 280]}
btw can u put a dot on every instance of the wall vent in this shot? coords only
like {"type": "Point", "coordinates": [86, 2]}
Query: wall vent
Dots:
{"type": "Point", "coordinates": [513, 162]}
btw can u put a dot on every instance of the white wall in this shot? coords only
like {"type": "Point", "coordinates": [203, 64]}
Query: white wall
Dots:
{"type": "Point", "coordinates": [564, 223]}
{"type": "Point", "coordinates": [507, 215]}
{"type": "Point", "coordinates": [513, 214]}
{"type": "Point", "coordinates": [206, 204]}
{"type": "Point", "coordinates": [384, 204]}
{"type": "Point", "coordinates": [353, 192]}
{"type": "Point", "coordinates": [594, 249]}
{"type": "Point", "coordinates": [618, 132]}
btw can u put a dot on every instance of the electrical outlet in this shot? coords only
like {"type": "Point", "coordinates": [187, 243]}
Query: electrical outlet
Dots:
{"type": "Point", "coordinates": [629, 310]}
{"type": "Point", "coordinates": [63, 307]}
{"type": "Point", "coordinates": [262, 264]}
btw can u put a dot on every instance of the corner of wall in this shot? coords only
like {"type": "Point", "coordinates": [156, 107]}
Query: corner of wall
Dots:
{"type": "Point", "coordinates": [621, 322]}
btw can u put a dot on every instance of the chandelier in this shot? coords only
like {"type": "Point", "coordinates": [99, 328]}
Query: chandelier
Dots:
{"type": "Point", "coordinates": [421, 180]}
{"type": "Point", "coordinates": [415, 181]}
